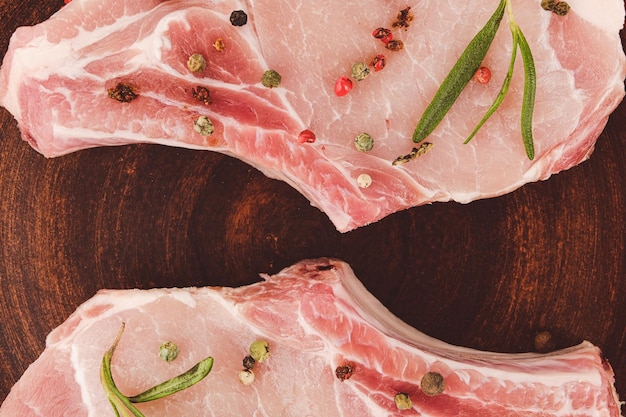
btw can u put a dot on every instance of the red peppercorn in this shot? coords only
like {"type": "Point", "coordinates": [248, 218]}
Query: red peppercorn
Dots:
{"type": "Point", "coordinates": [383, 34]}
{"type": "Point", "coordinates": [306, 136]}
{"type": "Point", "coordinates": [483, 75]}
{"type": "Point", "coordinates": [343, 86]}
{"type": "Point", "coordinates": [378, 62]}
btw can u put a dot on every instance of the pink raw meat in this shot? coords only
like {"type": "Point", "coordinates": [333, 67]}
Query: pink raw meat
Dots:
{"type": "Point", "coordinates": [316, 316]}
{"type": "Point", "coordinates": [56, 75]}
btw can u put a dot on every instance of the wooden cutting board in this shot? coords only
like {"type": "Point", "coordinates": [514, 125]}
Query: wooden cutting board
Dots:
{"type": "Point", "coordinates": [487, 275]}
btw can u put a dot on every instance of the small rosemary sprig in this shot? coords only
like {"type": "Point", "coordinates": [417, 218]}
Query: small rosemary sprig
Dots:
{"type": "Point", "coordinates": [466, 66]}
{"type": "Point", "coordinates": [123, 406]}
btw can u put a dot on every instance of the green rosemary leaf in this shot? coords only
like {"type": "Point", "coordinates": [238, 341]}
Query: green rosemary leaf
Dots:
{"type": "Point", "coordinates": [116, 398]}
{"type": "Point", "coordinates": [530, 87]}
{"type": "Point", "coordinates": [458, 77]}
{"type": "Point", "coordinates": [178, 383]}
{"type": "Point", "coordinates": [500, 97]}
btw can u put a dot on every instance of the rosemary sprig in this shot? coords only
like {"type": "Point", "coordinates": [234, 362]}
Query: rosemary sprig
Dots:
{"type": "Point", "coordinates": [464, 69]}
{"type": "Point", "coordinates": [459, 76]}
{"type": "Point", "coordinates": [123, 406]}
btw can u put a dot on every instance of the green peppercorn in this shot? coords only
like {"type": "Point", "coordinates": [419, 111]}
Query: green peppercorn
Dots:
{"type": "Point", "coordinates": [403, 401]}
{"type": "Point", "coordinates": [364, 142]}
{"type": "Point", "coordinates": [168, 351]}
{"type": "Point", "coordinates": [204, 126]}
{"type": "Point", "coordinates": [260, 350]}
{"type": "Point", "coordinates": [196, 63]}
{"type": "Point", "coordinates": [433, 383]}
{"type": "Point", "coordinates": [360, 71]}
{"type": "Point", "coordinates": [271, 79]}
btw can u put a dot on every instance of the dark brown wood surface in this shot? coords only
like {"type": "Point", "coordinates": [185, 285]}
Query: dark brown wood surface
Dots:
{"type": "Point", "coordinates": [487, 275]}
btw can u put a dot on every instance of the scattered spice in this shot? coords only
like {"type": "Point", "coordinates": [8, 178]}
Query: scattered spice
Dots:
{"type": "Point", "coordinates": [344, 372]}
{"type": "Point", "coordinates": [168, 351]}
{"type": "Point", "coordinates": [124, 93]}
{"type": "Point", "coordinates": [271, 79]}
{"type": "Point", "coordinates": [246, 377]}
{"type": "Point", "coordinates": [201, 94]}
{"type": "Point", "coordinates": [196, 63]}
{"type": "Point", "coordinates": [248, 362]}
{"type": "Point", "coordinates": [404, 18]}
{"type": "Point", "coordinates": [432, 383]}
{"type": "Point", "coordinates": [395, 45]}
{"type": "Point", "coordinates": [360, 71]}
{"type": "Point", "coordinates": [483, 75]}
{"type": "Point", "coordinates": [260, 350]}
{"type": "Point", "coordinates": [383, 34]}
{"type": "Point", "coordinates": [343, 86]}
{"type": "Point", "coordinates": [219, 45]}
{"type": "Point", "coordinates": [415, 153]}
{"type": "Point", "coordinates": [560, 8]}
{"type": "Point", "coordinates": [544, 342]}
{"type": "Point", "coordinates": [378, 63]}
{"type": "Point", "coordinates": [364, 142]}
{"type": "Point", "coordinates": [238, 18]}
{"type": "Point", "coordinates": [364, 180]}
{"type": "Point", "coordinates": [403, 401]}
{"type": "Point", "coordinates": [204, 126]}
{"type": "Point", "coordinates": [306, 136]}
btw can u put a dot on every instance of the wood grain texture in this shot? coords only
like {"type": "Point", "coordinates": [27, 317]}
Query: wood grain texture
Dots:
{"type": "Point", "coordinates": [487, 275]}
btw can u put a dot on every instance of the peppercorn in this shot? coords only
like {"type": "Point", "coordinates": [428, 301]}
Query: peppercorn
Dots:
{"type": "Point", "coordinates": [201, 94]}
{"type": "Point", "coordinates": [168, 351]}
{"type": "Point", "coordinates": [306, 136]}
{"type": "Point", "coordinates": [544, 342]}
{"type": "Point", "coordinates": [196, 63]}
{"type": "Point", "coordinates": [483, 75]}
{"type": "Point", "coordinates": [343, 86]}
{"type": "Point", "coordinates": [360, 71]}
{"type": "Point", "coordinates": [204, 126]}
{"type": "Point", "coordinates": [561, 8]}
{"type": "Point", "coordinates": [238, 18]}
{"type": "Point", "coordinates": [124, 93]}
{"type": "Point", "coordinates": [383, 34]}
{"type": "Point", "coordinates": [378, 62]}
{"type": "Point", "coordinates": [246, 377]}
{"type": "Point", "coordinates": [364, 142]}
{"type": "Point", "coordinates": [260, 350]}
{"type": "Point", "coordinates": [248, 362]}
{"type": "Point", "coordinates": [403, 401]}
{"type": "Point", "coordinates": [271, 79]}
{"type": "Point", "coordinates": [343, 372]}
{"type": "Point", "coordinates": [433, 384]}
{"type": "Point", "coordinates": [395, 45]}
{"type": "Point", "coordinates": [364, 180]}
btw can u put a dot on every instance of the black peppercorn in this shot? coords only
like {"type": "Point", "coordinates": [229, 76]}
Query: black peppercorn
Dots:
{"type": "Point", "coordinates": [238, 18]}
{"type": "Point", "coordinates": [343, 372]}
{"type": "Point", "coordinates": [248, 362]}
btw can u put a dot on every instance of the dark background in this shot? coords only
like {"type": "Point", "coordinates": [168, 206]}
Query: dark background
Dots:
{"type": "Point", "coordinates": [487, 275]}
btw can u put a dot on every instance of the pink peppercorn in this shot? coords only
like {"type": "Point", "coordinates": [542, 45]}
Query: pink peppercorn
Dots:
{"type": "Point", "coordinates": [343, 86]}
{"type": "Point", "coordinates": [483, 75]}
{"type": "Point", "coordinates": [306, 136]}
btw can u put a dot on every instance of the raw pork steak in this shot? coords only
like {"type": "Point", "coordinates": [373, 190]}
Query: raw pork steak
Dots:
{"type": "Point", "coordinates": [56, 79]}
{"type": "Point", "coordinates": [316, 317]}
